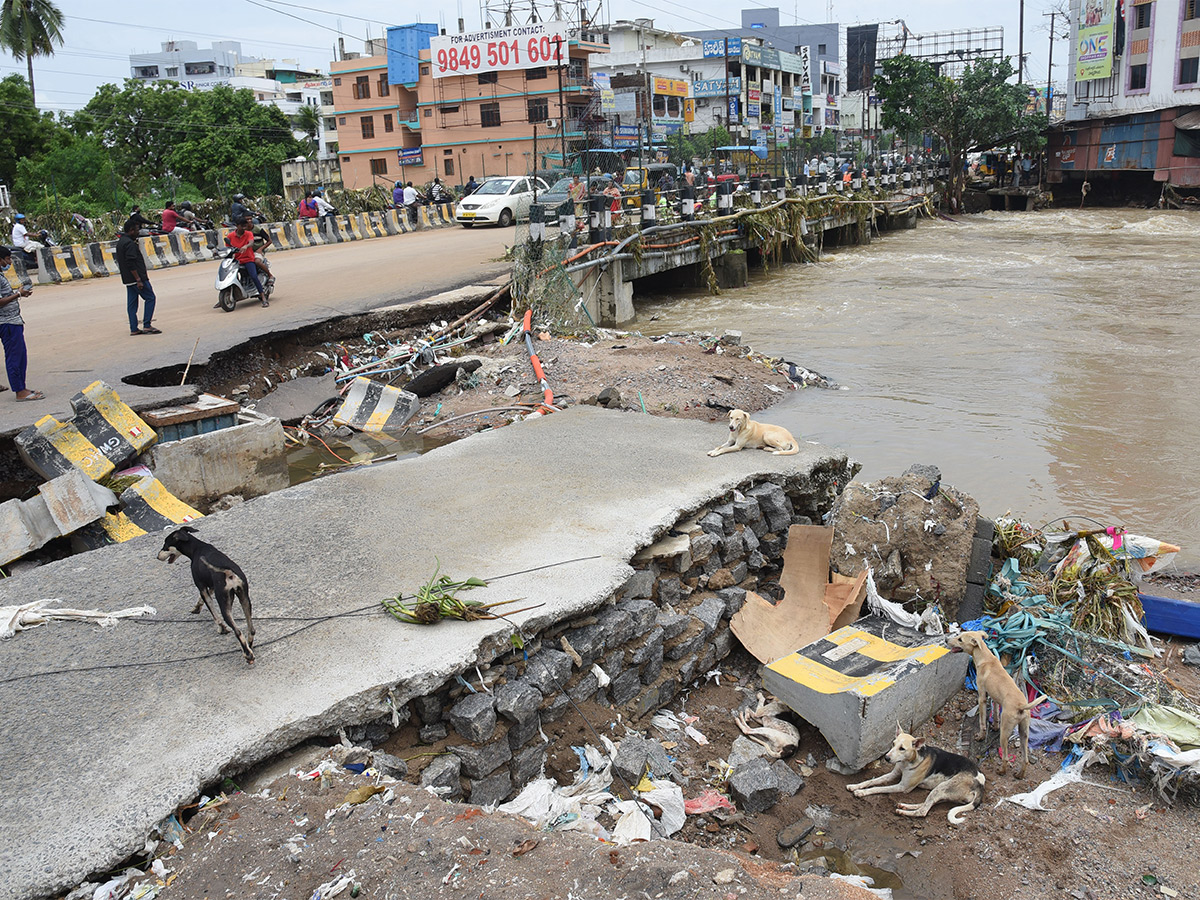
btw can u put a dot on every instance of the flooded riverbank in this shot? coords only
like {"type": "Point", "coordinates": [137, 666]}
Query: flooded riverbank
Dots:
{"type": "Point", "coordinates": [1045, 361]}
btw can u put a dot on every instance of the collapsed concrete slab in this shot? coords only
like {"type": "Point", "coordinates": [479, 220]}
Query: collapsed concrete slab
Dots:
{"type": "Point", "coordinates": [63, 506]}
{"type": "Point", "coordinates": [855, 684]}
{"type": "Point", "coordinates": [138, 740]}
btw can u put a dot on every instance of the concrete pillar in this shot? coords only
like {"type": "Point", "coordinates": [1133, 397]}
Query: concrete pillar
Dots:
{"type": "Point", "coordinates": [732, 269]}
{"type": "Point", "coordinates": [607, 295]}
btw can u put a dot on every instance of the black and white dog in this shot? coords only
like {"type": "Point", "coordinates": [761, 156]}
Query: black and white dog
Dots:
{"type": "Point", "coordinates": [218, 578]}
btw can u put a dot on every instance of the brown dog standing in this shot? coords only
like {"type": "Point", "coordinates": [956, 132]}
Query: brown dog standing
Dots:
{"type": "Point", "coordinates": [993, 681]}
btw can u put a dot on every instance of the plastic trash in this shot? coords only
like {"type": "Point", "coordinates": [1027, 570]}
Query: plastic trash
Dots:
{"type": "Point", "coordinates": [707, 801]}
{"type": "Point", "coordinates": [1069, 774]}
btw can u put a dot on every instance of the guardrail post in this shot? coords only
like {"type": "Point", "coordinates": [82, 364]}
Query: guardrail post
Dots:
{"type": "Point", "coordinates": [649, 199]}
{"type": "Point", "coordinates": [907, 176]}
{"type": "Point", "coordinates": [687, 202]}
{"type": "Point", "coordinates": [823, 188]}
{"type": "Point", "coordinates": [856, 179]}
{"type": "Point", "coordinates": [725, 196]}
{"type": "Point", "coordinates": [871, 179]}
{"type": "Point", "coordinates": [802, 182]}
{"type": "Point", "coordinates": [756, 191]}
{"type": "Point", "coordinates": [780, 188]}
{"type": "Point", "coordinates": [596, 206]}
{"type": "Point", "coordinates": [537, 225]}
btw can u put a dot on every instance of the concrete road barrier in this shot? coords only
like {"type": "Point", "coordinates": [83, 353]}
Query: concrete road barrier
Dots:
{"type": "Point", "coordinates": [72, 262]}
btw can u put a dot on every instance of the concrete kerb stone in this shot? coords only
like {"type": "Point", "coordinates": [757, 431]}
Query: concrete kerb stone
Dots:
{"type": "Point", "coordinates": [349, 688]}
{"type": "Point", "coordinates": [474, 717]}
{"type": "Point", "coordinates": [754, 786]}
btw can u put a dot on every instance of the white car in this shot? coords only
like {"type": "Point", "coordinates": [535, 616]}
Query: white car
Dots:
{"type": "Point", "coordinates": [499, 201]}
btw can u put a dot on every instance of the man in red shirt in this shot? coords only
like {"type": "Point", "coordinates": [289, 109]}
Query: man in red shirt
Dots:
{"type": "Point", "coordinates": [242, 241]}
{"type": "Point", "coordinates": [170, 220]}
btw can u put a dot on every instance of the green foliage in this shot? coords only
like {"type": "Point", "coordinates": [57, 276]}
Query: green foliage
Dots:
{"type": "Point", "coordinates": [308, 120]}
{"type": "Point", "coordinates": [26, 132]}
{"type": "Point", "coordinates": [30, 28]}
{"type": "Point", "coordinates": [683, 148]}
{"type": "Point", "coordinates": [138, 124]}
{"type": "Point", "coordinates": [975, 111]}
{"type": "Point", "coordinates": [73, 174]}
{"type": "Point", "coordinates": [231, 142]}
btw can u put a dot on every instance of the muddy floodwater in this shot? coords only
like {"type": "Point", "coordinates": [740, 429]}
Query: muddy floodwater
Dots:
{"type": "Point", "coordinates": [1048, 362]}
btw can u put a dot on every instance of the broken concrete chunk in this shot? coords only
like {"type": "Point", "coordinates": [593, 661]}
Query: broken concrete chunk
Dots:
{"type": "Point", "coordinates": [478, 761]}
{"type": "Point", "coordinates": [548, 670]}
{"type": "Point", "coordinates": [754, 786]}
{"type": "Point", "coordinates": [710, 612]}
{"type": "Point", "coordinates": [491, 790]}
{"type": "Point", "coordinates": [443, 772]}
{"type": "Point", "coordinates": [636, 753]}
{"type": "Point", "coordinates": [790, 781]}
{"type": "Point", "coordinates": [389, 765]}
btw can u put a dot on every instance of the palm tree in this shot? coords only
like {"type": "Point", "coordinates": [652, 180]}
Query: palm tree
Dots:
{"type": "Point", "coordinates": [30, 28]}
{"type": "Point", "coordinates": [308, 121]}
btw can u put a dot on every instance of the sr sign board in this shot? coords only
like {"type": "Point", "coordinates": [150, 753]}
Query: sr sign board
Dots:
{"type": "Point", "coordinates": [499, 49]}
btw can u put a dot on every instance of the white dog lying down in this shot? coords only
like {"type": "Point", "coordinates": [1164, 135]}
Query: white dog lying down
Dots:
{"type": "Point", "coordinates": [745, 432]}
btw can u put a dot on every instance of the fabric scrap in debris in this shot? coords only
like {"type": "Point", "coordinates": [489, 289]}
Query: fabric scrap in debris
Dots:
{"type": "Point", "coordinates": [1168, 721]}
{"type": "Point", "coordinates": [1047, 735]}
{"type": "Point", "coordinates": [707, 801]}
{"type": "Point", "coordinates": [39, 612]}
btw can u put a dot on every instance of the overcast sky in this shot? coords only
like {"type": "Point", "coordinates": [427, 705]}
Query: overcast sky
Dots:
{"type": "Point", "coordinates": [100, 37]}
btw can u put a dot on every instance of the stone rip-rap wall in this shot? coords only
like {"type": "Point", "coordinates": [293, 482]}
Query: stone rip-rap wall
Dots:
{"type": "Point", "coordinates": [662, 631]}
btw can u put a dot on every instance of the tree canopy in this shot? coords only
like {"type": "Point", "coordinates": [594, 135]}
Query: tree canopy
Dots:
{"type": "Point", "coordinates": [26, 132]}
{"type": "Point", "coordinates": [975, 111]}
{"type": "Point", "coordinates": [30, 28]}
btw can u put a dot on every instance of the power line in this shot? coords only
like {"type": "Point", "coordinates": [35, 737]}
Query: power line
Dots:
{"type": "Point", "coordinates": [223, 37]}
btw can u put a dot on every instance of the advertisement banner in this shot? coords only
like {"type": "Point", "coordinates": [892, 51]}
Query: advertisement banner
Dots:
{"type": "Point", "coordinates": [715, 87]}
{"type": "Point", "coordinates": [499, 49]}
{"type": "Point", "coordinates": [625, 136]}
{"type": "Point", "coordinates": [717, 47]}
{"type": "Point", "coordinates": [603, 86]}
{"type": "Point", "coordinates": [778, 106]}
{"type": "Point", "coordinates": [1094, 57]}
{"type": "Point", "coordinates": [805, 71]}
{"type": "Point", "coordinates": [760, 56]}
{"type": "Point", "coordinates": [689, 110]}
{"type": "Point", "coordinates": [733, 109]}
{"type": "Point", "coordinates": [410, 156]}
{"type": "Point", "coordinates": [754, 94]}
{"type": "Point", "coordinates": [670, 87]}
{"type": "Point", "coordinates": [753, 110]}
{"type": "Point", "coordinates": [1095, 36]}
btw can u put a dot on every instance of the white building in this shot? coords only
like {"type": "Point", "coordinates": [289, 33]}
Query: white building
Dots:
{"type": "Point", "coordinates": [1133, 87]}
{"type": "Point", "coordinates": [764, 96]}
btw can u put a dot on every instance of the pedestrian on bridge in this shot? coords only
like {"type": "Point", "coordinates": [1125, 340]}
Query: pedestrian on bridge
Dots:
{"type": "Point", "coordinates": [137, 283]}
{"type": "Point", "coordinates": [12, 333]}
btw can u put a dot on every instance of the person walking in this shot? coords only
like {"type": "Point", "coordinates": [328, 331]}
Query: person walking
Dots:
{"type": "Point", "coordinates": [470, 187]}
{"type": "Point", "coordinates": [137, 283]}
{"type": "Point", "coordinates": [12, 333]}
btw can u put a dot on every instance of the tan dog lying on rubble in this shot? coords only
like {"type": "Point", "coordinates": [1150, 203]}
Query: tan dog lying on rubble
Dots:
{"type": "Point", "coordinates": [991, 680]}
{"type": "Point", "coordinates": [952, 777]}
{"type": "Point", "coordinates": [745, 432]}
{"type": "Point", "coordinates": [781, 738]}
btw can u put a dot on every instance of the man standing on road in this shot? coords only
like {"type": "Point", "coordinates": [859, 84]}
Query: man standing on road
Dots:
{"type": "Point", "coordinates": [137, 283]}
{"type": "Point", "coordinates": [410, 202]}
{"type": "Point", "coordinates": [470, 187]}
{"type": "Point", "coordinates": [12, 333]}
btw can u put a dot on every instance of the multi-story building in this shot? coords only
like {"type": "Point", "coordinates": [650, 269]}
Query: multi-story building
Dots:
{"type": "Point", "coordinates": [667, 82]}
{"type": "Point", "coordinates": [183, 61]}
{"type": "Point", "coordinates": [457, 126]}
{"type": "Point", "coordinates": [1132, 91]}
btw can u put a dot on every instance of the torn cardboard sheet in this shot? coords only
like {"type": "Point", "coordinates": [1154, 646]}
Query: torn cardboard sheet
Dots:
{"type": "Point", "coordinates": [811, 607]}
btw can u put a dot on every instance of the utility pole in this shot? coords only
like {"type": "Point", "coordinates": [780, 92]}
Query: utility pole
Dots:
{"type": "Point", "coordinates": [562, 110]}
{"type": "Point", "coordinates": [1050, 68]}
{"type": "Point", "coordinates": [1021, 44]}
{"type": "Point", "coordinates": [728, 116]}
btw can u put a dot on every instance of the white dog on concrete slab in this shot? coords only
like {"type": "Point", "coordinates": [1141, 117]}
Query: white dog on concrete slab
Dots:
{"type": "Point", "coordinates": [745, 432]}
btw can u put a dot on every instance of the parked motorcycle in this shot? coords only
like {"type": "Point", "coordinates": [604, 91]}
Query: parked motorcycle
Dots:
{"type": "Point", "coordinates": [29, 257]}
{"type": "Point", "coordinates": [233, 283]}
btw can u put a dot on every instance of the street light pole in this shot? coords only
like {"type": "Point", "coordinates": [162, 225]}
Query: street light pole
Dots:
{"type": "Point", "coordinates": [1021, 44]}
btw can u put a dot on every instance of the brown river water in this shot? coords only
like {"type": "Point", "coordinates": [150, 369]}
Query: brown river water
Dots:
{"type": "Point", "coordinates": [1046, 362]}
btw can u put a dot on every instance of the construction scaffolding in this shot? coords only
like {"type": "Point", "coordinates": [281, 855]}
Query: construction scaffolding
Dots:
{"type": "Point", "coordinates": [948, 51]}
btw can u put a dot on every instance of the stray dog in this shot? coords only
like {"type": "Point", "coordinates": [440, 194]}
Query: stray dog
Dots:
{"type": "Point", "coordinates": [745, 432]}
{"type": "Point", "coordinates": [993, 681]}
{"type": "Point", "coordinates": [952, 777]}
{"type": "Point", "coordinates": [218, 578]}
{"type": "Point", "coordinates": [781, 738]}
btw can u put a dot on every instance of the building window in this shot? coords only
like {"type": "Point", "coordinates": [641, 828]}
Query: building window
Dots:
{"type": "Point", "coordinates": [424, 70]}
{"type": "Point", "coordinates": [535, 74]}
{"type": "Point", "coordinates": [379, 167]}
{"type": "Point", "coordinates": [337, 82]}
{"type": "Point", "coordinates": [387, 122]}
{"type": "Point", "coordinates": [362, 87]}
{"type": "Point", "coordinates": [172, 71]}
{"type": "Point", "coordinates": [539, 109]}
{"type": "Point", "coordinates": [821, 50]}
{"type": "Point", "coordinates": [1137, 77]}
{"type": "Point", "coordinates": [1189, 69]}
{"type": "Point", "coordinates": [489, 115]}
{"type": "Point", "coordinates": [341, 120]}
{"type": "Point", "coordinates": [488, 77]}
{"type": "Point", "coordinates": [331, 124]}
{"type": "Point", "coordinates": [448, 165]}
{"type": "Point", "coordinates": [345, 159]}
{"type": "Point", "coordinates": [1189, 9]}
{"type": "Point", "coordinates": [368, 127]}
{"type": "Point", "coordinates": [428, 113]}
{"type": "Point", "coordinates": [1141, 15]}
{"type": "Point", "coordinates": [382, 86]}
{"type": "Point", "coordinates": [446, 110]}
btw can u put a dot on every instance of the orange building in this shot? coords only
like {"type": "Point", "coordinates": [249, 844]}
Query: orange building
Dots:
{"type": "Point", "coordinates": [457, 126]}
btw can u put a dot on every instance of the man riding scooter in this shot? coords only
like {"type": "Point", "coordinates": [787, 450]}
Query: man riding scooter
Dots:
{"type": "Point", "coordinates": [242, 241]}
